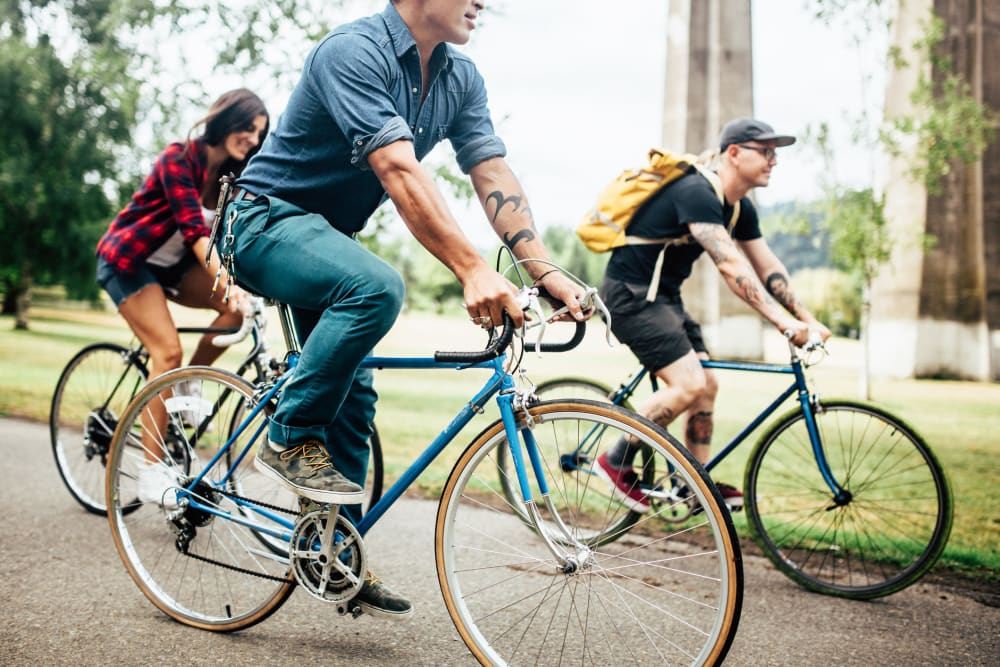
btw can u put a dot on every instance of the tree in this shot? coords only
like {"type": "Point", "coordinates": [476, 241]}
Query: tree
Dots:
{"type": "Point", "coordinates": [949, 126]}
{"type": "Point", "coordinates": [60, 121]}
{"type": "Point", "coordinates": [68, 116]}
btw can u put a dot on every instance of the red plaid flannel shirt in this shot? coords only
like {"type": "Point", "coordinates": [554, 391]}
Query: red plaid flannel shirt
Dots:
{"type": "Point", "coordinates": [169, 199]}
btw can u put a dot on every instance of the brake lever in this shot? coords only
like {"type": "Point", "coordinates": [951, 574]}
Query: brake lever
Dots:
{"type": "Point", "coordinates": [527, 300]}
{"type": "Point", "coordinates": [591, 299]}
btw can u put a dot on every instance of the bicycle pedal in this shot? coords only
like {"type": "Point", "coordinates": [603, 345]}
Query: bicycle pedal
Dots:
{"type": "Point", "coordinates": [350, 608]}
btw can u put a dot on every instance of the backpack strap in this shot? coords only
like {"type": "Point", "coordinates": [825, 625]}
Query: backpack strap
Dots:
{"type": "Point", "coordinates": [654, 283]}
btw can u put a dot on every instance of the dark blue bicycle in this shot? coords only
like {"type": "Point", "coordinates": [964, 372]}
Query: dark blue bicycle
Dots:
{"type": "Point", "coordinates": [843, 497]}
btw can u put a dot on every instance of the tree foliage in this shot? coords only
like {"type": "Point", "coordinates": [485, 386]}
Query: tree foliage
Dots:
{"type": "Point", "coordinates": [949, 125]}
{"type": "Point", "coordinates": [62, 115]}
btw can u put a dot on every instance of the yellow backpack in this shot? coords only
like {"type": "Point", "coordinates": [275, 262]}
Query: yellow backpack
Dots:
{"type": "Point", "coordinates": [603, 227]}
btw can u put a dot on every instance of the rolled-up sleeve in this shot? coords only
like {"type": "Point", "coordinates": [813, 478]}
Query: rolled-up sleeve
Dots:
{"type": "Point", "coordinates": [479, 150]}
{"type": "Point", "coordinates": [394, 130]}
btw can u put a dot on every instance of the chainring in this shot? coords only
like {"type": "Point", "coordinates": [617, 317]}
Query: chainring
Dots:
{"type": "Point", "coordinates": [334, 574]}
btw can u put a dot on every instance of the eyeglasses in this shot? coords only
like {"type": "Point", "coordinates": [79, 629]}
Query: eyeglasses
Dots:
{"type": "Point", "coordinates": [768, 152]}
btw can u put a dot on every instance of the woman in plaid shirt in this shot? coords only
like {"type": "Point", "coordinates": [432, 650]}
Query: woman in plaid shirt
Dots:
{"type": "Point", "coordinates": [156, 247]}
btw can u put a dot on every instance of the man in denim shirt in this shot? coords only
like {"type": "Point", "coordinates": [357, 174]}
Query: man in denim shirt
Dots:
{"type": "Point", "coordinates": [375, 96]}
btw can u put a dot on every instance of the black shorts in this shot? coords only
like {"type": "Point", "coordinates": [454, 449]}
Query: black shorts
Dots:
{"type": "Point", "coordinates": [658, 332]}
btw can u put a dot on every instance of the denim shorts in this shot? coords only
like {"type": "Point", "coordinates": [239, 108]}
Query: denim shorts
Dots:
{"type": "Point", "coordinates": [120, 286]}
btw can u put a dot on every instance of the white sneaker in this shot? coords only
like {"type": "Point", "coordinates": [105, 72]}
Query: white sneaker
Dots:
{"type": "Point", "coordinates": [188, 404]}
{"type": "Point", "coordinates": [158, 484]}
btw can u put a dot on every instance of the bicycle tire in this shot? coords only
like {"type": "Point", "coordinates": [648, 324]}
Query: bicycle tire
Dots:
{"type": "Point", "coordinates": [888, 534]}
{"type": "Point", "coordinates": [643, 599]}
{"type": "Point", "coordinates": [93, 390]}
{"type": "Point", "coordinates": [200, 569]}
{"type": "Point", "coordinates": [572, 387]}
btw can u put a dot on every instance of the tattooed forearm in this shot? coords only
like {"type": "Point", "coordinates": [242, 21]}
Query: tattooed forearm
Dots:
{"type": "Point", "coordinates": [750, 290]}
{"type": "Point", "coordinates": [777, 285]}
{"type": "Point", "coordinates": [523, 235]}
{"type": "Point", "coordinates": [515, 202]}
{"type": "Point", "coordinates": [715, 241]}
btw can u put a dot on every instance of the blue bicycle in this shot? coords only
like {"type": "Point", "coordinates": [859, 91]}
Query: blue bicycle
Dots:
{"type": "Point", "coordinates": [842, 496]}
{"type": "Point", "coordinates": [522, 575]}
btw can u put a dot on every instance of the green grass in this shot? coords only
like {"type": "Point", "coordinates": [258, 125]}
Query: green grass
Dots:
{"type": "Point", "coordinates": [960, 420]}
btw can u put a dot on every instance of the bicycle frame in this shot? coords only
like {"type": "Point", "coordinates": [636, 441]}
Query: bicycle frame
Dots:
{"type": "Point", "coordinates": [499, 384]}
{"type": "Point", "coordinates": [798, 386]}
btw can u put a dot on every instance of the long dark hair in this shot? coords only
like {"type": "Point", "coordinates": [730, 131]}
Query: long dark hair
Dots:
{"type": "Point", "coordinates": [234, 111]}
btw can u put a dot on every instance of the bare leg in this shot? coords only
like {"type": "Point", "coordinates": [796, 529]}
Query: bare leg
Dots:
{"type": "Point", "coordinates": [147, 314]}
{"type": "Point", "coordinates": [195, 291]}
{"type": "Point", "coordinates": [683, 382]}
{"type": "Point", "coordinates": [700, 421]}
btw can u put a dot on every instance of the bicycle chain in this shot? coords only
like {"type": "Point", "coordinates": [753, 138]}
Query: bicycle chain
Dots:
{"type": "Point", "coordinates": [236, 568]}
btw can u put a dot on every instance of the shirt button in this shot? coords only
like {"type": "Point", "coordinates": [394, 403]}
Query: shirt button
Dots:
{"type": "Point", "coordinates": [414, 91]}
{"type": "Point", "coordinates": [420, 131]}
{"type": "Point", "coordinates": [359, 143]}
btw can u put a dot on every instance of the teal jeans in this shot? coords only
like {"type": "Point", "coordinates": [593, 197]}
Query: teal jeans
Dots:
{"type": "Point", "coordinates": [344, 299]}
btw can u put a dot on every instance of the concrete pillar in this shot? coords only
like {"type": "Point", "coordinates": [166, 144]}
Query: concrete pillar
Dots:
{"type": "Point", "coordinates": [989, 48]}
{"type": "Point", "coordinates": [932, 315]}
{"type": "Point", "coordinates": [708, 82]}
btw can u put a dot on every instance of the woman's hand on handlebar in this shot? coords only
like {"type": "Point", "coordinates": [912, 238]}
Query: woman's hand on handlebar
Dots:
{"type": "Point", "coordinates": [240, 301]}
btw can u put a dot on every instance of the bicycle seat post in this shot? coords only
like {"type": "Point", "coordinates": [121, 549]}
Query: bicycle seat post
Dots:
{"type": "Point", "coordinates": [288, 329]}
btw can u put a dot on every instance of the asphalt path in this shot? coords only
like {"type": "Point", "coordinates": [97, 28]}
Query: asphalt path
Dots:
{"type": "Point", "coordinates": [67, 600]}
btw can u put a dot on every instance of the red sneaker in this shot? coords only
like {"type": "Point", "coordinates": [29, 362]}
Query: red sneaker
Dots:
{"type": "Point", "coordinates": [624, 484]}
{"type": "Point", "coordinates": [732, 496]}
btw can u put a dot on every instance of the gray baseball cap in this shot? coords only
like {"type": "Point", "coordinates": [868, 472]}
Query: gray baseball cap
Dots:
{"type": "Point", "coordinates": [747, 129]}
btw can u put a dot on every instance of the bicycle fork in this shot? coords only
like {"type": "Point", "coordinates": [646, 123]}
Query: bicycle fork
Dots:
{"type": "Point", "coordinates": [568, 563]}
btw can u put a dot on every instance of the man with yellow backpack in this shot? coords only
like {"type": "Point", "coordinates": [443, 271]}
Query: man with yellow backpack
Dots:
{"type": "Point", "coordinates": [693, 211]}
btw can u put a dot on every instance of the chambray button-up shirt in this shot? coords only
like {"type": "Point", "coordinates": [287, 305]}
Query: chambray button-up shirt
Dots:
{"type": "Point", "coordinates": [360, 91]}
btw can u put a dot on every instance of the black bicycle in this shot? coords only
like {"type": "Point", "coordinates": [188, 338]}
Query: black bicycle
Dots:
{"type": "Point", "coordinates": [101, 380]}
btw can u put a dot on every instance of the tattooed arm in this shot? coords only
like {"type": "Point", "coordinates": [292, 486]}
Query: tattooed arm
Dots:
{"type": "Point", "coordinates": [774, 276]}
{"type": "Point", "coordinates": [742, 280]}
{"type": "Point", "coordinates": [507, 209]}
{"type": "Point", "coordinates": [423, 209]}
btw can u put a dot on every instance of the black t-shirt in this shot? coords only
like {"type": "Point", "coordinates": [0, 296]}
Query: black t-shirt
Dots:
{"type": "Point", "coordinates": [667, 214]}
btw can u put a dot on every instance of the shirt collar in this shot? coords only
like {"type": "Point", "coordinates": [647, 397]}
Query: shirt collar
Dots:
{"type": "Point", "coordinates": [402, 38]}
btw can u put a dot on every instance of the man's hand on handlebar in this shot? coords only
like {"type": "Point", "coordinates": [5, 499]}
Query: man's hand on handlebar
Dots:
{"type": "Point", "coordinates": [487, 296]}
{"type": "Point", "coordinates": [568, 293]}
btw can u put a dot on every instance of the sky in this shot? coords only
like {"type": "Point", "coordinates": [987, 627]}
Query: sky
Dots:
{"type": "Point", "coordinates": [576, 93]}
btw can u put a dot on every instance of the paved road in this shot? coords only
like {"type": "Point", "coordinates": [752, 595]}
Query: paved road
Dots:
{"type": "Point", "coordinates": [67, 600]}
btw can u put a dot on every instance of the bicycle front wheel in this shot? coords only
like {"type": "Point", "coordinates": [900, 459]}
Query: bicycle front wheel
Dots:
{"type": "Point", "coordinates": [218, 562]}
{"type": "Point", "coordinates": [92, 393]}
{"type": "Point", "coordinates": [571, 468]}
{"type": "Point", "coordinates": [577, 388]}
{"type": "Point", "coordinates": [888, 528]}
{"type": "Point", "coordinates": [648, 597]}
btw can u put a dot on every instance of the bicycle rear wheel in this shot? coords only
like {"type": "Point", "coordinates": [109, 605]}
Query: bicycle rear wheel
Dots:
{"type": "Point", "coordinates": [882, 536]}
{"type": "Point", "coordinates": [92, 393]}
{"type": "Point", "coordinates": [202, 564]}
{"type": "Point", "coordinates": [648, 597]}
